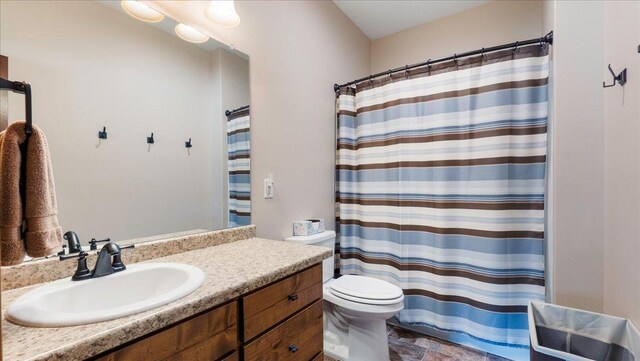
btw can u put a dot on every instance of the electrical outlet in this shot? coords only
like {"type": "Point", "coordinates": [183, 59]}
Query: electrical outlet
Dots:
{"type": "Point", "coordinates": [268, 188]}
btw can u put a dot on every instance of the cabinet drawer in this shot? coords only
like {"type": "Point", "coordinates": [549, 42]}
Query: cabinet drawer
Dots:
{"type": "Point", "coordinates": [205, 337]}
{"type": "Point", "coordinates": [272, 304]}
{"type": "Point", "coordinates": [299, 338]}
{"type": "Point", "coordinates": [210, 349]}
{"type": "Point", "coordinates": [233, 357]}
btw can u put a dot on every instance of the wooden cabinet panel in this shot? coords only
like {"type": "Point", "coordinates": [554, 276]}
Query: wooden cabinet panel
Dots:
{"type": "Point", "coordinates": [232, 357]}
{"type": "Point", "coordinates": [298, 338]}
{"type": "Point", "coordinates": [214, 331]}
{"type": "Point", "coordinates": [272, 304]}
{"type": "Point", "coordinates": [210, 349]}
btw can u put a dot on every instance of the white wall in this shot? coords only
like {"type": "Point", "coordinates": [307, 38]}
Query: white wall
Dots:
{"type": "Point", "coordinates": [597, 156]}
{"type": "Point", "coordinates": [622, 162]}
{"type": "Point", "coordinates": [494, 23]}
{"type": "Point", "coordinates": [578, 153]}
{"type": "Point", "coordinates": [92, 66]}
{"type": "Point", "coordinates": [298, 50]}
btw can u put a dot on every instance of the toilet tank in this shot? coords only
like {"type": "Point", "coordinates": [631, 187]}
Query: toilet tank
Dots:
{"type": "Point", "coordinates": [324, 239]}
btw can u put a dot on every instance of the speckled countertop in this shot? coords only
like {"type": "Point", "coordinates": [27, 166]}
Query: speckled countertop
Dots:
{"type": "Point", "coordinates": [232, 269]}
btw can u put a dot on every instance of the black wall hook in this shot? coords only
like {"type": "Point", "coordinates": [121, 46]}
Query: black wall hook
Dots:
{"type": "Point", "coordinates": [620, 78]}
{"type": "Point", "coordinates": [188, 144]}
{"type": "Point", "coordinates": [150, 139]}
{"type": "Point", "coordinates": [103, 134]}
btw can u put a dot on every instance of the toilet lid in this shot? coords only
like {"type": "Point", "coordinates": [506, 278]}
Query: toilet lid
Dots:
{"type": "Point", "coordinates": [366, 290]}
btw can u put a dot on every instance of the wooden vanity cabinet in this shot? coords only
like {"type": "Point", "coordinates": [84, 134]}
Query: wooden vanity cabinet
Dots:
{"type": "Point", "coordinates": [281, 321]}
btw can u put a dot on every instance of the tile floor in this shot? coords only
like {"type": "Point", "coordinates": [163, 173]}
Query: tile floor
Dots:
{"type": "Point", "coordinates": [406, 345]}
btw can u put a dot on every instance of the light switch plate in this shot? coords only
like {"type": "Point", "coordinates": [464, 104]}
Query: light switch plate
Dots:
{"type": "Point", "coordinates": [268, 188]}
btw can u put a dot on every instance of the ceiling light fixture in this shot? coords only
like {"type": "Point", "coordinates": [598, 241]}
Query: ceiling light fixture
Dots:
{"type": "Point", "coordinates": [223, 12]}
{"type": "Point", "coordinates": [141, 11]}
{"type": "Point", "coordinates": [187, 33]}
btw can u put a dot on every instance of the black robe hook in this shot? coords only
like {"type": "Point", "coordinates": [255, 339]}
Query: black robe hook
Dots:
{"type": "Point", "coordinates": [620, 78]}
{"type": "Point", "coordinates": [103, 134]}
{"type": "Point", "coordinates": [151, 140]}
{"type": "Point", "coordinates": [188, 144]}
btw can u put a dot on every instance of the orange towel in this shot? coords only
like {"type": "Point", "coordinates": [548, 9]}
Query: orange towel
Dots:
{"type": "Point", "coordinates": [44, 235]}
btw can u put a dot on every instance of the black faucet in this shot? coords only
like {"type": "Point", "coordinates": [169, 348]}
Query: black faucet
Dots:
{"type": "Point", "coordinates": [109, 261]}
{"type": "Point", "coordinates": [73, 241]}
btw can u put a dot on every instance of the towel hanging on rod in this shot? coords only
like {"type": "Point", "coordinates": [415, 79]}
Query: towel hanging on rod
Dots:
{"type": "Point", "coordinates": [22, 87]}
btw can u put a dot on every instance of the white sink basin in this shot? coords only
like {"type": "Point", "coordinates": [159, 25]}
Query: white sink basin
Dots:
{"type": "Point", "coordinates": [139, 288]}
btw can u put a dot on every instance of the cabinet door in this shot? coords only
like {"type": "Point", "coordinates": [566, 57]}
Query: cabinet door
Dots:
{"type": "Point", "coordinates": [205, 337]}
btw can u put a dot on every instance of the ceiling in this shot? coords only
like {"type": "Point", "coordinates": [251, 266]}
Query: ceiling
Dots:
{"type": "Point", "coordinates": [379, 18]}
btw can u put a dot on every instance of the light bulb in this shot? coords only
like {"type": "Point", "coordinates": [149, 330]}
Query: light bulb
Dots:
{"type": "Point", "coordinates": [223, 12]}
{"type": "Point", "coordinates": [141, 11]}
{"type": "Point", "coordinates": [187, 33]}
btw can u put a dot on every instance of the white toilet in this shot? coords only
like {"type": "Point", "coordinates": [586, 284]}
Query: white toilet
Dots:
{"type": "Point", "coordinates": [355, 309]}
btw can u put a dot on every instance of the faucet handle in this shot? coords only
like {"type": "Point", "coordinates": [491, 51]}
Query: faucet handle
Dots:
{"type": "Point", "coordinates": [64, 247]}
{"type": "Point", "coordinates": [82, 272]}
{"type": "Point", "coordinates": [81, 254]}
{"type": "Point", "coordinates": [94, 243]}
{"type": "Point", "coordinates": [117, 259]}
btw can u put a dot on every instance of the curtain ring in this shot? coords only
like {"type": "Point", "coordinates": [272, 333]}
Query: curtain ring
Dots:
{"type": "Point", "coordinates": [371, 80]}
{"type": "Point", "coordinates": [455, 59]}
{"type": "Point", "coordinates": [390, 77]}
{"type": "Point", "coordinates": [515, 48]}
{"type": "Point", "coordinates": [429, 66]}
{"type": "Point", "coordinates": [484, 56]}
{"type": "Point", "coordinates": [406, 71]}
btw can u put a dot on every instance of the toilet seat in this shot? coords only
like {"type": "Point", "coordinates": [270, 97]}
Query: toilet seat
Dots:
{"type": "Point", "coordinates": [366, 290]}
{"type": "Point", "coordinates": [361, 308]}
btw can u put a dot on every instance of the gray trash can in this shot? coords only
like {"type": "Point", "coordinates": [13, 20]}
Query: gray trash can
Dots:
{"type": "Point", "coordinates": [562, 333]}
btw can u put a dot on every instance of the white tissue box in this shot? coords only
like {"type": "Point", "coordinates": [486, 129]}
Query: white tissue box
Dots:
{"type": "Point", "coordinates": [308, 227]}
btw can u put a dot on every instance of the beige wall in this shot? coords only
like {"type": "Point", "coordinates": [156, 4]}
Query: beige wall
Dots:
{"type": "Point", "coordinates": [298, 50]}
{"type": "Point", "coordinates": [88, 70]}
{"type": "Point", "coordinates": [622, 162]}
{"type": "Point", "coordinates": [494, 23]}
{"type": "Point", "coordinates": [577, 142]}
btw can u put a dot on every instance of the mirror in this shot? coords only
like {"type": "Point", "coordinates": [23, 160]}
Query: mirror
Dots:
{"type": "Point", "coordinates": [170, 161]}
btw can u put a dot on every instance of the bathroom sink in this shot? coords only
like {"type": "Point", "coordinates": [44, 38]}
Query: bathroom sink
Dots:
{"type": "Point", "coordinates": [139, 288]}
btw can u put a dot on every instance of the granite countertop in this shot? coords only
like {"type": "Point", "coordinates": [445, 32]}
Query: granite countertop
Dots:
{"type": "Point", "coordinates": [232, 269]}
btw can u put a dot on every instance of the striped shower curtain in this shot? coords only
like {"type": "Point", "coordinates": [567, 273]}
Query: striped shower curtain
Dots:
{"type": "Point", "coordinates": [239, 167]}
{"type": "Point", "coordinates": [440, 176]}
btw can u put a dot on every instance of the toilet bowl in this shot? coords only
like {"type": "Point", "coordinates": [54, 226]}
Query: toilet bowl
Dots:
{"type": "Point", "coordinates": [355, 309]}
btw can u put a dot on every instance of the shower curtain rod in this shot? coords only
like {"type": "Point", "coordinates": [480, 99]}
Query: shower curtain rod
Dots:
{"type": "Point", "coordinates": [547, 39]}
{"type": "Point", "coordinates": [229, 112]}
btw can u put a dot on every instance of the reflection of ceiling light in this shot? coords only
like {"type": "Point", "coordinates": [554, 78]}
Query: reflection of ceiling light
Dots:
{"type": "Point", "coordinates": [223, 12]}
{"type": "Point", "coordinates": [187, 33]}
{"type": "Point", "coordinates": [141, 11]}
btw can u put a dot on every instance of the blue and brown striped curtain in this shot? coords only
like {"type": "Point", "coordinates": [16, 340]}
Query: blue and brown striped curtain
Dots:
{"type": "Point", "coordinates": [239, 167]}
{"type": "Point", "coordinates": [440, 190]}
